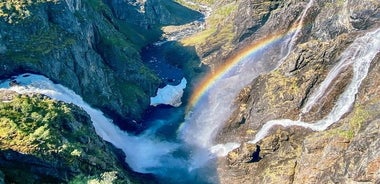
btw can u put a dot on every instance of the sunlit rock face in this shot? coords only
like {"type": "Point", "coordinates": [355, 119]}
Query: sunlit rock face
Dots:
{"type": "Point", "coordinates": [308, 87]}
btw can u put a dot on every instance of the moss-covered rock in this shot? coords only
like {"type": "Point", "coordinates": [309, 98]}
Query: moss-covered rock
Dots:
{"type": "Point", "coordinates": [46, 141]}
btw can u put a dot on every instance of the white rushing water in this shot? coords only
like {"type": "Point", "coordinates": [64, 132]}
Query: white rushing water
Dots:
{"type": "Point", "coordinates": [144, 153]}
{"type": "Point", "coordinates": [359, 54]}
{"type": "Point", "coordinates": [301, 23]}
{"type": "Point", "coordinates": [204, 121]}
{"type": "Point", "coordinates": [169, 95]}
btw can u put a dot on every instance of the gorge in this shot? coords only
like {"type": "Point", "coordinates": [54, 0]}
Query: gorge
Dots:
{"type": "Point", "coordinates": [244, 92]}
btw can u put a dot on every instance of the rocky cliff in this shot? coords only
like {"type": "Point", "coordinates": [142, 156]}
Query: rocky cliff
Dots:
{"type": "Point", "coordinates": [349, 150]}
{"type": "Point", "coordinates": [92, 47]}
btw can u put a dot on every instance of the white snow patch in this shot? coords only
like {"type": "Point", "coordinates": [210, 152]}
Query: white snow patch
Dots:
{"type": "Point", "coordinates": [169, 95]}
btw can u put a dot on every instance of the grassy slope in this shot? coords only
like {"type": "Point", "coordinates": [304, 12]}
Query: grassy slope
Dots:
{"type": "Point", "coordinates": [58, 133]}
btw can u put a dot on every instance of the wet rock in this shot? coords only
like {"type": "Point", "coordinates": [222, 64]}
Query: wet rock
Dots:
{"type": "Point", "coordinates": [363, 15]}
{"type": "Point", "coordinates": [272, 160]}
{"type": "Point", "coordinates": [246, 153]}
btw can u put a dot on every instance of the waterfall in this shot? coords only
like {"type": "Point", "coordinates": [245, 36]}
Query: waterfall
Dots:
{"type": "Point", "coordinates": [203, 123]}
{"type": "Point", "coordinates": [301, 23]}
{"type": "Point", "coordinates": [346, 59]}
{"type": "Point", "coordinates": [359, 54]}
{"type": "Point", "coordinates": [74, 5]}
{"type": "Point", "coordinates": [144, 153]}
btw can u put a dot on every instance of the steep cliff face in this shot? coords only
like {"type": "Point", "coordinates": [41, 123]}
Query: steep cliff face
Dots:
{"type": "Point", "coordinates": [152, 14]}
{"type": "Point", "coordinates": [88, 46]}
{"type": "Point", "coordinates": [233, 25]}
{"type": "Point", "coordinates": [45, 141]}
{"type": "Point", "coordinates": [348, 150]}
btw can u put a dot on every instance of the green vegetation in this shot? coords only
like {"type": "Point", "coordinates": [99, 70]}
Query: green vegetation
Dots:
{"type": "Point", "coordinates": [39, 44]}
{"type": "Point", "coordinates": [178, 14]}
{"type": "Point", "coordinates": [208, 2]}
{"type": "Point", "coordinates": [116, 39]}
{"type": "Point", "coordinates": [12, 11]}
{"type": "Point", "coordinates": [132, 93]}
{"type": "Point", "coordinates": [97, 5]}
{"type": "Point", "coordinates": [354, 122]}
{"type": "Point", "coordinates": [56, 132]}
{"type": "Point", "coordinates": [137, 36]}
{"type": "Point", "coordinates": [337, 3]}
{"type": "Point", "coordinates": [31, 124]}
{"type": "Point", "coordinates": [189, 5]}
{"type": "Point", "coordinates": [199, 38]}
{"type": "Point", "coordinates": [279, 86]}
{"type": "Point", "coordinates": [104, 178]}
{"type": "Point", "coordinates": [194, 6]}
{"type": "Point", "coordinates": [214, 33]}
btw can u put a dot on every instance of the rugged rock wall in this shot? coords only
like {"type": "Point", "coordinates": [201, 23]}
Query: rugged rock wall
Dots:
{"type": "Point", "coordinates": [347, 151]}
{"type": "Point", "coordinates": [88, 46]}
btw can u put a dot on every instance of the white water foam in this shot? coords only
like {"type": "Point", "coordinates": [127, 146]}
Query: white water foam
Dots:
{"type": "Point", "coordinates": [143, 153]}
{"type": "Point", "coordinates": [360, 54]}
{"type": "Point", "coordinates": [221, 150]}
{"type": "Point", "coordinates": [169, 95]}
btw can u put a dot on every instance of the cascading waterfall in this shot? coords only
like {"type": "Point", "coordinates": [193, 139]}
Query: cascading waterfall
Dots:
{"type": "Point", "coordinates": [359, 54]}
{"type": "Point", "coordinates": [74, 5]}
{"type": "Point", "coordinates": [144, 153]}
{"type": "Point", "coordinates": [216, 101]}
{"type": "Point", "coordinates": [301, 22]}
{"type": "Point", "coordinates": [346, 60]}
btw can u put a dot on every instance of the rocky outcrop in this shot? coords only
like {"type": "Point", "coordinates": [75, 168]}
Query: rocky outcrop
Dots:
{"type": "Point", "coordinates": [45, 141]}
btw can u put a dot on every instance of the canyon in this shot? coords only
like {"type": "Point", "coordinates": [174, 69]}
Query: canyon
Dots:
{"type": "Point", "coordinates": [190, 91]}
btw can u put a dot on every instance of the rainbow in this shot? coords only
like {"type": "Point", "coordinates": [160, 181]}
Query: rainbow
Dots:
{"type": "Point", "coordinates": [213, 77]}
